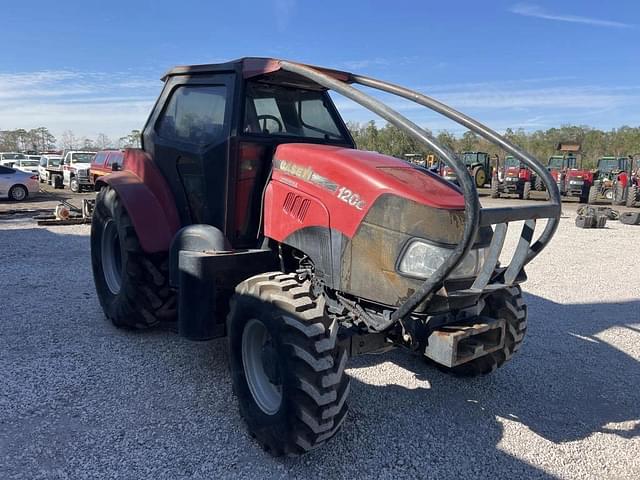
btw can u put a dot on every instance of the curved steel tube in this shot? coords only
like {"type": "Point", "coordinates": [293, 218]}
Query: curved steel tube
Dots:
{"type": "Point", "coordinates": [488, 134]}
{"type": "Point", "coordinates": [472, 208]}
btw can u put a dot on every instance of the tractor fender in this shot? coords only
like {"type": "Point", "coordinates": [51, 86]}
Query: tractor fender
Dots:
{"type": "Point", "coordinates": [147, 199]}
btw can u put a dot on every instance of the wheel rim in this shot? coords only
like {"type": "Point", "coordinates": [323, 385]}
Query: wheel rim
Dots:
{"type": "Point", "coordinates": [19, 193]}
{"type": "Point", "coordinates": [481, 178]}
{"type": "Point", "coordinates": [609, 195]}
{"type": "Point", "coordinates": [111, 257]}
{"type": "Point", "coordinates": [257, 350]}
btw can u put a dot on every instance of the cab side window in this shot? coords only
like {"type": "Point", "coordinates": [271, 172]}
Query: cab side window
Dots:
{"type": "Point", "coordinates": [99, 158]}
{"type": "Point", "coordinates": [195, 114]}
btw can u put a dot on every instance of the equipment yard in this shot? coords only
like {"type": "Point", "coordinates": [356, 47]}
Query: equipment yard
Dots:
{"type": "Point", "coordinates": [83, 399]}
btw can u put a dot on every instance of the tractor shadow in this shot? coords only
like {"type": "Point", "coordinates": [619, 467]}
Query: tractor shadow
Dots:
{"type": "Point", "coordinates": [566, 383]}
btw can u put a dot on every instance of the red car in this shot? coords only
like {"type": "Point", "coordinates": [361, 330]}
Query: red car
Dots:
{"type": "Point", "coordinates": [105, 162]}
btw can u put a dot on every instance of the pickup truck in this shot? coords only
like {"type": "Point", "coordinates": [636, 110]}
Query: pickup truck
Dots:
{"type": "Point", "coordinates": [75, 169]}
{"type": "Point", "coordinates": [50, 170]}
{"type": "Point", "coordinates": [105, 162]}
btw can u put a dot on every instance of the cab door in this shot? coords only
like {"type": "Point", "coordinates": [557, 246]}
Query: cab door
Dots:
{"type": "Point", "coordinates": [188, 138]}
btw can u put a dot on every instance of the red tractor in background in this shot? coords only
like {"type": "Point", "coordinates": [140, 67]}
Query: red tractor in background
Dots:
{"type": "Point", "coordinates": [517, 179]}
{"type": "Point", "coordinates": [610, 180]}
{"type": "Point", "coordinates": [248, 213]}
{"type": "Point", "coordinates": [630, 182]}
{"type": "Point", "coordinates": [571, 178]}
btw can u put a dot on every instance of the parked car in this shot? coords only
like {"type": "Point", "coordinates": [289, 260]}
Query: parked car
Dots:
{"type": "Point", "coordinates": [16, 184]}
{"type": "Point", "coordinates": [47, 163]}
{"type": "Point", "coordinates": [27, 164]}
{"type": "Point", "coordinates": [75, 169]}
{"type": "Point", "coordinates": [105, 162]}
{"type": "Point", "coordinates": [7, 159]}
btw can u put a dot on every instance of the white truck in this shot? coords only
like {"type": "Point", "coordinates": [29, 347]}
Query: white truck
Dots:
{"type": "Point", "coordinates": [75, 169]}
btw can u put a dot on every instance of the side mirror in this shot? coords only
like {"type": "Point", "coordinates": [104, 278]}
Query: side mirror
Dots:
{"type": "Point", "coordinates": [115, 167]}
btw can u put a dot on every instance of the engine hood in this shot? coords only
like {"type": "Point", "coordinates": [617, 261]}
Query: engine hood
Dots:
{"type": "Point", "coordinates": [369, 174]}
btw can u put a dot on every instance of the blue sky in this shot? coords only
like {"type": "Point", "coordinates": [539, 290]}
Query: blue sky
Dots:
{"type": "Point", "coordinates": [94, 66]}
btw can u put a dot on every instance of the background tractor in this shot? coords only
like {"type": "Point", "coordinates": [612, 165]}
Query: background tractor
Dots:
{"type": "Point", "coordinates": [517, 179]}
{"type": "Point", "coordinates": [606, 184]}
{"type": "Point", "coordinates": [248, 213]}
{"type": "Point", "coordinates": [478, 165]}
{"type": "Point", "coordinates": [572, 179]}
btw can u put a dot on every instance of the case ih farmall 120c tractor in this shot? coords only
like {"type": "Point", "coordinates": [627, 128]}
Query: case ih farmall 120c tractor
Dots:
{"type": "Point", "coordinates": [249, 213]}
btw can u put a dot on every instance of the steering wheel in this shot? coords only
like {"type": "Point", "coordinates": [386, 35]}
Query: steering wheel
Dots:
{"type": "Point", "coordinates": [270, 117]}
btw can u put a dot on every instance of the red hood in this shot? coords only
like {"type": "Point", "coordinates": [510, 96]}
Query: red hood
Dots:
{"type": "Point", "coordinates": [581, 173]}
{"type": "Point", "coordinates": [369, 174]}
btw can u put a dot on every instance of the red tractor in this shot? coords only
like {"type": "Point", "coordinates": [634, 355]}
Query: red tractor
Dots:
{"type": "Point", "coordinates": [248, 213]}
{"type": "Point", "coordinates": [572, 180]}
{"type": "Point", "coordinates": [517, 179]}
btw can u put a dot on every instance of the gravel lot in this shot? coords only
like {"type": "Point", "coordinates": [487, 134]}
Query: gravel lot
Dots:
{"type": "Point", "coordinates": [81, 399]}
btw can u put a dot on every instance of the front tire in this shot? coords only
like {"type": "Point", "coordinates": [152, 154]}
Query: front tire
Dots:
{"type": "Point", "coordinates": [287, 367]}
{"type": "Point", "coordinates": [132, 286]}
{"type": "Point", "coordinates": [74, 186]}
{"type": "Point", "coordinates": [506, 304]}
{"type": "Point", "coordinates": [526, 191]}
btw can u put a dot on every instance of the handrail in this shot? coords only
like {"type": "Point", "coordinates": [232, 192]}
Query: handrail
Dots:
{"type": "Point", "coordinates": [472, 210]}
{"type": "Point", "coordinates": [491, 136]}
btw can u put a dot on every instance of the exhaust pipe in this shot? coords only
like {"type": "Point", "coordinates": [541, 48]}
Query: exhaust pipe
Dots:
{"type": "Point", "coordinates": [453, 345]}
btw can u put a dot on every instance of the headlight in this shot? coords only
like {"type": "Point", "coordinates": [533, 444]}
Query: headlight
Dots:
{"type": "Point", "coordinates": [423, 259]}
{"type": "Point", "coordinates": [576, 182]}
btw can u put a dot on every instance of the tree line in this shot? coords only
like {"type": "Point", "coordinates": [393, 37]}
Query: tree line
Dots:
{"type": "Point", "coordinates": [388, 139]}
{"type": "Point", "coordinates": [542, 144]}
{"type": "Point", "coordinates": [42, 140]}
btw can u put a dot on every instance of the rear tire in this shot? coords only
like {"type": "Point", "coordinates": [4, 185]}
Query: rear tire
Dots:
{"type": "Point", "coordinates": [495, 193]}
{"type": "Point", "coordinates": [479, 176]}
{"type": "Point", "coordinates": [299, 357]}
{"type": "Point", "coordinates": [618, 194]}
{"type": "Point", "coordinates": [18, 193]}
{"type": "Point", "coordinates": [506, 304]}
{"type": "Point", "coordinates": [632, 194]}
{"type": "Point", "coordinates": [132, 286]}
{"type": "Point", "coordinates": [539, 184]}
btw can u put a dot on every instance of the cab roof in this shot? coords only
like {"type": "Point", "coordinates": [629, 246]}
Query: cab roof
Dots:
{"type": "Point", "coordinates": [251, 67]}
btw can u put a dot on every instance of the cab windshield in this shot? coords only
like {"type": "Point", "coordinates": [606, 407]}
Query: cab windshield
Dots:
{"type": "Point", "coordinates": [511, 162]}
{"type": "Point", "coordinates": [608, 165]}
{"type": "Point", "coordinates": [555, 162]}
{"type": "Point", "coordinates": [82, 157]}
{"type": "Point", "coordinates": [288, 111]}
{"type": "Point", "coordinates": [29, 163]}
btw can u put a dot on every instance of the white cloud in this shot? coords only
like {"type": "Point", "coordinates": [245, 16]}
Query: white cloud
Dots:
{"type": "Point", "coordinates": [87, 103]}
{"type": "Point", "coordinates": [531, 10]}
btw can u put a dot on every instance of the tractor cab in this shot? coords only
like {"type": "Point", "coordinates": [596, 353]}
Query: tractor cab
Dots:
{"type": "Point", "coordinates": [215, 129]}
{"type": "Point", "coordinates": [609, 167]}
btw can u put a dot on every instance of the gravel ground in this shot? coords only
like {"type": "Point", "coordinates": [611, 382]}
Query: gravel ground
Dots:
{"type": "Point", "coordinates": [81, 399]}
